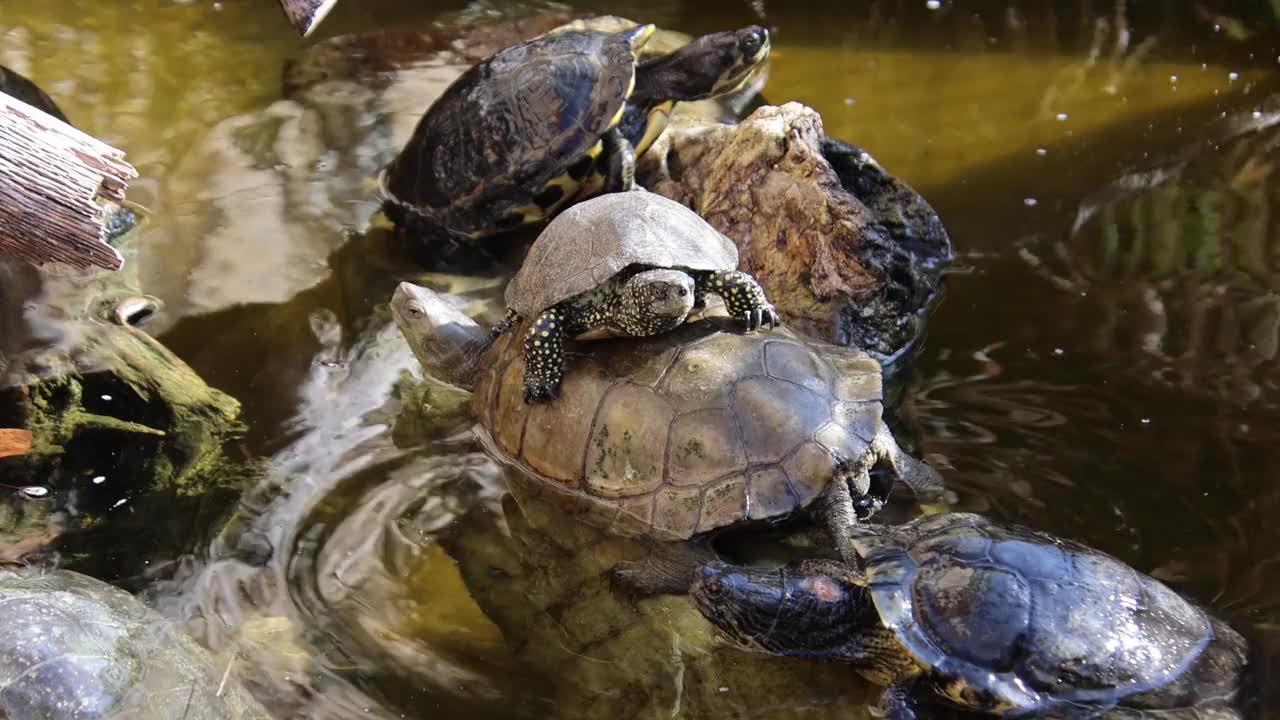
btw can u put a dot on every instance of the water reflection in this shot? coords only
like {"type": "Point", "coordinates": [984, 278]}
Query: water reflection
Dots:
{"type": "Point", "coordinates": [1122, 391]}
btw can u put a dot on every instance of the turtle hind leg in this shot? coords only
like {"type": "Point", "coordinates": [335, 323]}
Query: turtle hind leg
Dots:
{"type": "Point", "coordinates": [923, 480]}
{"type": "Point", "coordinates": [544, 357]}
{"type": "Point", "coordinates": [508, 321]}
{"type": "Point", "coordinates": [836, 511]}
{"type": "Point", "coordinates": [743, 297]}
{"type": "Point", "coordinates": [849, 499]}
{"type": "Point", "coordinates": [667, 570]}
{"type": "Point", "coordinates": [621, 158]}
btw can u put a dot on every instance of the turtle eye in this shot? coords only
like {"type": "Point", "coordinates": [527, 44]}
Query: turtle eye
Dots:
{"type": "Point", "coordinates": [681, 291]}
{"type": "Point", "coordinates": [751, 42]}
{"type": "Point", "coordinates": [416, 310]}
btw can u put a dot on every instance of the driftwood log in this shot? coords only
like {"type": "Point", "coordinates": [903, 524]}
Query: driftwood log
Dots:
{"type": "Point", "coordinates": [54, 180]}
{"type": "Point", "coordinates": [305, 15]}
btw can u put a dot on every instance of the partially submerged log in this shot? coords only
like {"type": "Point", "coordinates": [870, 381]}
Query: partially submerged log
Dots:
{"type": "Point", "coordinates": [305, 15]}
{"type": "Point", "coordinates": [53, 181]}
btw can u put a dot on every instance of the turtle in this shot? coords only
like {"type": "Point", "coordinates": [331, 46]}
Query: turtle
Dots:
{"type": "Point", "coordinates": [680, 435]}
{"type": "Point", "coordinates": [547, 121]}
{"type": "Point", "coordinates": [75, 647]}
{"type": "Point", "coordinates": [999, 619]}
{"type": "Point", "coordinates": [623, 264]}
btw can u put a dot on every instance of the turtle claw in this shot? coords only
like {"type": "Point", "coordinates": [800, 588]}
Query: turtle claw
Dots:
{"type": "Point", "coordinates": [771, 317]}
{"type": "Point", "coordinates": [756, 318]}
{"type": "Point", "coordinates": [540, 392]}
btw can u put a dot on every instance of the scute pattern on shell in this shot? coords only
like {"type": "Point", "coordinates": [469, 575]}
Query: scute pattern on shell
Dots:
{"type": "Point", "coordinates": [682, 433]}
{"type": "Point", "coordinates": [594, 240]}
{"type": "Point", "coordinates": [511, 124]}
{"type": "Point", "coordinates": [1031, 619]}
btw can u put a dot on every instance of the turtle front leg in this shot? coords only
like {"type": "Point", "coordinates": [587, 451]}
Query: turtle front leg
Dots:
{"type": "Point", "coordinates": [622, 162]}
{"type": "Point", "coordinates": [743, 297]}
{"type": "Point", "coordinates": [544, 357]}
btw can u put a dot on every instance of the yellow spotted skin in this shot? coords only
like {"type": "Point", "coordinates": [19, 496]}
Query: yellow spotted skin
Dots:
{"type": "Point", "coordinates": [639, 302]}
{"type": "Point", "coordinates": [740, 292]}
{"type": "Point", "coordinates": [544, 357]}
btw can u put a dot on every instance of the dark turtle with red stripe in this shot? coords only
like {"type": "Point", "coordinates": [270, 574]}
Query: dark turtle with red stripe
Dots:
{"type": "Point", "coordinates": [548, 121]}
{"type": "Point", "coordinates": [998, 619]}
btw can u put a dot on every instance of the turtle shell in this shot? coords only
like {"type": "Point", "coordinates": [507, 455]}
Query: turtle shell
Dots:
{"type": "Point", "coordinates": [596, 239]}
{"type": "Point", "coordinates": [690, 430]}
{"type": "Point", "coordinates": [1021, 621]}
{"type": "Point", "coordinates": [73, 646]}
{"type": "Point", "coordinates": [498, 136]}
{"type": "Point", "coordinates": [15, 85]}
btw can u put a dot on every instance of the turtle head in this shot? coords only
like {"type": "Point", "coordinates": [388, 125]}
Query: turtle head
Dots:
{"type": "Point", "coordinates": [808, 609]}
{"type": "Point", "coordinates": [653, 301]}
{"type": "Point", "coordinates": [712, 65]}
{"type": "Point", "coordinates": [446, 342]}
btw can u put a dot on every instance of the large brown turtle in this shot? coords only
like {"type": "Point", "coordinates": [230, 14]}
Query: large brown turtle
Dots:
{"type": "Point", "coordinates": [680, 434]}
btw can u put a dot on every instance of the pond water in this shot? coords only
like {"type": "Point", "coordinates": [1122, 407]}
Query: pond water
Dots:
{"type": "Point", "coordinates": [1102, 365]}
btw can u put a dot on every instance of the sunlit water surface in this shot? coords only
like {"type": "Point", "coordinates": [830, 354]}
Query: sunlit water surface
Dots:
{"type": "Point", "coordinates": [1102, 365]}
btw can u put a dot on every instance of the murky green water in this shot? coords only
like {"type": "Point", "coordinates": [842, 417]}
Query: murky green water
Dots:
{"type": "Point", "coordinates": [1117, 383]}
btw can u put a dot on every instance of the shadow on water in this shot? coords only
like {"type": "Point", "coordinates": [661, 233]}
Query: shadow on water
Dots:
{"type": "Point", "coordinates": [1107, 375]}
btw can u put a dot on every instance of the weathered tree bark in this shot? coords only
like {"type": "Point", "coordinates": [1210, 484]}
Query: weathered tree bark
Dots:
{"type": "Point", "coordinates": [305, 15]}
{"type": "Point", "coordinates": [52, 177]}
{"type": "Point", "coordinates": [14, 442]}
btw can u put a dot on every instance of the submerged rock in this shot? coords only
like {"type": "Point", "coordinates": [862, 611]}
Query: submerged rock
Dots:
{"type": "Point", "coordinates": [127, 440]}
{"type": "Point", "coordinates": [847, 252]}
{"type": "Point", "coordinates": [72, 647]}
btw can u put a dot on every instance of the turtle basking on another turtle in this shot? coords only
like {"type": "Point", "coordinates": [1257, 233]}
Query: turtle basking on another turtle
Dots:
{"type": "Point", "coordinates": [557, 118]}
{"type": "Point", "coordinates": [680, 434]}
{"type": "Point", "coordinates": [624, 264]}
{"type": "Point", "coordinates": [996, 619]}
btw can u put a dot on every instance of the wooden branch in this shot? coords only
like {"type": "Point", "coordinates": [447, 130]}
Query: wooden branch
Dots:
{"type": "Point", "coordinates": [306, 14]}
{"type": "Point", "coordinates": [14, 442]}
{"type": "Point", "coordinates": [51, 179]}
